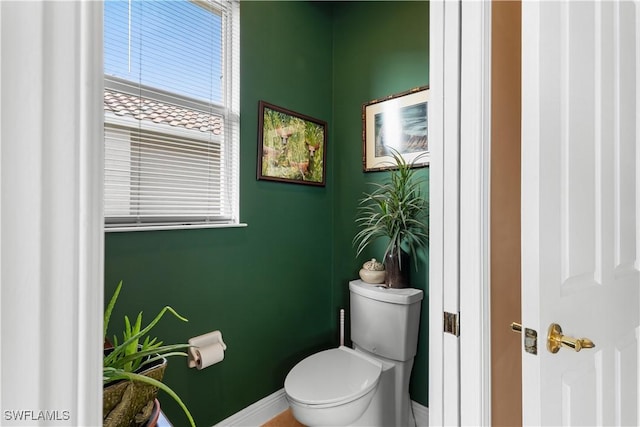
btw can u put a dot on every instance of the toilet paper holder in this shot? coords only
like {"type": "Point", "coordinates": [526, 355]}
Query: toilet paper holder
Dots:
{"type": "Point", "coordinates": [206, 350]}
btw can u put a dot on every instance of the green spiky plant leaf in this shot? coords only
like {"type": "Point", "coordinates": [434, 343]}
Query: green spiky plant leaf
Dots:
{"type": "Point", "coordinates": [396, 210]}
{"type": "Point", "coordinates": [129, 356]}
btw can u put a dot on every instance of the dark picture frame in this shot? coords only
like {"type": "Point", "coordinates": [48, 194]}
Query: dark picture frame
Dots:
{"type": "Point", "coordinates": [292, 147]}
{"type": "Point", "coordinates": [397, 122]}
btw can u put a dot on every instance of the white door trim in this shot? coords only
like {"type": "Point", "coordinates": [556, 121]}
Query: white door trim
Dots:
{"type": "Point", "coordinates": [436, 213]}
{"type": "Point", "coordinates": [475, 150]}
{"type": "Point", "coordinates": [51, 221]}
{"type": "Point", "coordinates": [459, 133]}
{"type": "Point", "coordinates": [444, 128]}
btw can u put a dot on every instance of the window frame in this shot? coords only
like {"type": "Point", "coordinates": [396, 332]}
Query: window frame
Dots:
{"type": "Point", "coordinates": [228, 10]}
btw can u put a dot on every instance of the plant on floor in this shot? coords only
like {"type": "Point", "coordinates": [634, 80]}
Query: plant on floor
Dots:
{"type": "Point", "coordinates": [396, 210]}
{"type": "Point", "coordinates": [128, 360]}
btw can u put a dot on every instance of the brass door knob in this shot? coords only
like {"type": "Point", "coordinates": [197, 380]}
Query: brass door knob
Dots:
{"type": "Point", "coordinates": [555, 340]}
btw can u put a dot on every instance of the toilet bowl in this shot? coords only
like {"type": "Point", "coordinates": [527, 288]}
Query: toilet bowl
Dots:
{"type": "Point", "coordinates": [333, 387]}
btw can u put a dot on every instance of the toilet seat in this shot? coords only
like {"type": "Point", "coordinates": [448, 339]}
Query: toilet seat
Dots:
{"type": "Point", "coordinates": [332, 377]}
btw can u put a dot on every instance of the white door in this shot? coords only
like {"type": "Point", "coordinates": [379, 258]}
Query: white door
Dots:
{"type": "Point", "coordinates": [580, 209]}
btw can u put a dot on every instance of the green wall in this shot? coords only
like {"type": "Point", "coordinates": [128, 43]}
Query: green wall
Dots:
{"type": "Point", "coordinates": [380, 48]}
{"type": "Point", "coordinates": [274, 288]}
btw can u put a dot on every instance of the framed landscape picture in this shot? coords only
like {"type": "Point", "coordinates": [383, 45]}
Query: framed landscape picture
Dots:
{"type": "Point", "coordinates": [292, 147]}
{"type": "Point", "coordinates": [397, 122]}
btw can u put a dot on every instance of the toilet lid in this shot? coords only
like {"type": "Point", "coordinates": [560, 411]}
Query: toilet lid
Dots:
{"type": "Point", "coordinates": [332, 376]}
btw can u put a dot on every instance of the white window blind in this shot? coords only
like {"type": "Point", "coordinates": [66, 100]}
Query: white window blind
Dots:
{"type": "Point", "coordinates": [171, 112]}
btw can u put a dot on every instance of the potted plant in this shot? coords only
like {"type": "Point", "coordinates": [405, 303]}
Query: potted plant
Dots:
{"type": "Point", "coordinates": [133, 370]}
{"type": "Point", "coordinates": [396, 210]}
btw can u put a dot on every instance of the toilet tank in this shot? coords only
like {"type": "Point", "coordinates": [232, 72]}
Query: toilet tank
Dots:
{"type": "Point", "coordinates": [385, 321]}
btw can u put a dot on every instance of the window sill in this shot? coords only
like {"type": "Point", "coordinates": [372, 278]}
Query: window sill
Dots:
{"type": "Point", "coordinates": [156, 227]}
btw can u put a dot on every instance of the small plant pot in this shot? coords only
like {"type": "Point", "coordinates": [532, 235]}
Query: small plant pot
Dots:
{"type": "Point", "coordinates": [131, 403]}
{"type": "Point", "coordinates": [397, 269]}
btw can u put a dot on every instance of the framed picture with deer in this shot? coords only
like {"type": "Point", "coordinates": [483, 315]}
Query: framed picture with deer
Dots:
{"type": "Point", "coordinates": [292, 147]}
{"type": "Point", "coordinates": [395, 124]}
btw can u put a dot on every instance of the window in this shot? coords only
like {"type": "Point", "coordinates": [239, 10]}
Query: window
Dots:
{"type": "Point", "coordinates": [171, 105]}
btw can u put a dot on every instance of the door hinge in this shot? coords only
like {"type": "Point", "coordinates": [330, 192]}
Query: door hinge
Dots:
{"type": "Point", "coordinates": [452, 323]}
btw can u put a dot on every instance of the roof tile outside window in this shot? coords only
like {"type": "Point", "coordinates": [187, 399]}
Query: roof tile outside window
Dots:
{"type": "Point", "coordinates": [123, 104]}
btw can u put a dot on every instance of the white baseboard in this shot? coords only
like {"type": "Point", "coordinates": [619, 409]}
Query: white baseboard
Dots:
{"type": "Point", "coordinates": [258, 413]}
{"type": "Point", "coordinates": [265, 409]}
{"type": "Point", "coordinates": [421, 414]}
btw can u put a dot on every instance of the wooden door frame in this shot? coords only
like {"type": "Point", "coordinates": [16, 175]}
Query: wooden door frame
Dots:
{"type": "Point", "coordinates": [460, 143]}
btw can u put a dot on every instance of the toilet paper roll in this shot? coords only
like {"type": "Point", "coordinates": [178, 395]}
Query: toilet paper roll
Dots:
{"type": "Point", "coordinates": [206, 350]}
{"type": "Point", "coordinates": [208, 355]}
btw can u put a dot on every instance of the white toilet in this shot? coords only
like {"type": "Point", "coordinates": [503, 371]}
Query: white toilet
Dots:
{"type": "Point", "coordinates": [367, 385]}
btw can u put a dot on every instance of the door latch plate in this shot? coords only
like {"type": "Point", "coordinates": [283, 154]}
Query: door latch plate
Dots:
{"type": "Point", "coordinates": [530, 341]}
